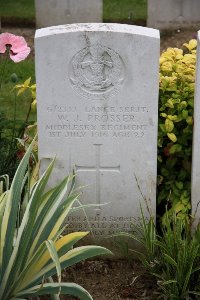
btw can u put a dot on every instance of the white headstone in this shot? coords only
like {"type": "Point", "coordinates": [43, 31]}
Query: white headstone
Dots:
{"type": "Point", "coordinates": [173, 14]}
{"type": "Point", "coordinates": [97, 92]}
{"type": "Point", "coordinates": [196, 144]}
{"type": "Point", "coordinates": [57, 12]}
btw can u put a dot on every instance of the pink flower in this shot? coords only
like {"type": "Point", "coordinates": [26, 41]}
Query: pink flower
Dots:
{"type": "Point", "coordinates": [16, 45]}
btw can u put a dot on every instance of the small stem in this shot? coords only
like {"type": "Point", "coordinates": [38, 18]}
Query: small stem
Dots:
{"type": "Point", "coordinates": [29, 111]}
{"type": "Point", "coordinates": [21, 131]}
{"type": "Point", "coordinates": [3, 69]}
{"type": "Point", "coordinates": [13, 141]}
{"type": "Point", "coordinates": [14, 116]}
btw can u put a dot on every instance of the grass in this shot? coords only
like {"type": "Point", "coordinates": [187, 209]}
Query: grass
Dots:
{"type": "Point", "coordinates": [14, 111]}
{"type": "Point", "coordinates": [113, 10]}
{"type": "Point", "coordinates": [121, 10]}
{"type": "Point", "coordinates": [17, 8]}
{"type": "Point", "coordinates": [23, 70]}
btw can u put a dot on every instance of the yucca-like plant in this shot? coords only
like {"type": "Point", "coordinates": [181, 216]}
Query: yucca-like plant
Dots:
{"type": "Point", "coordinates": [33, 250]}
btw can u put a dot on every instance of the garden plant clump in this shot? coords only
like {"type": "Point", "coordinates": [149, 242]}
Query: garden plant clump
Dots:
{"type": "Point", "coordinates": [177, 80]}
{"type": "Point", "coordinates": [171, 256]}
{"type": "Point", "coordinates": [33, 247]}
{"type": "Point", "coordinates": [13, 121]}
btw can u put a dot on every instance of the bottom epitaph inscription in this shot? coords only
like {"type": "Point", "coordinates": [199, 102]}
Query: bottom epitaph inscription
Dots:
{"type": "Point", "coordinates": [101, 225]}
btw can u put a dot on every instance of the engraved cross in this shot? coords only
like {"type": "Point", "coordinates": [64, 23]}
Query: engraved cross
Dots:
{"type": "Point", "coordinates": [98, 169]}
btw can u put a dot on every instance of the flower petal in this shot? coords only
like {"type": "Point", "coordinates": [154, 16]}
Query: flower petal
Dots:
{"type": "Point", "coordinates": [19, 49]}
{"type": "Point", "coordinates": [5, 40]}
{"type": "Point", "coordinates": [21, 55]}
{"type": "Point", "coordinates": [18, 43]}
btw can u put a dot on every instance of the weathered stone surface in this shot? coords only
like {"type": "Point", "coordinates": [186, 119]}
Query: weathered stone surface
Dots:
{"type": "Point", "coordinates": [58, 12]}
{"type": "Point", "coordinates": [173, 14]}
{"type": "Point", "coordinates": [196, 144]}
{"type": "Point", "coordinates": [97, 92]}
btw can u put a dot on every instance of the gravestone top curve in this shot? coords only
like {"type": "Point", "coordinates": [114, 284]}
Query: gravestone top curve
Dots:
{"type": "Point", "coordinates": [100, 27]}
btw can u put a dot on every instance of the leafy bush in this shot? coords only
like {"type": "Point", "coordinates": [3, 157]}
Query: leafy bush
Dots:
{"type": "Point", "coordinates": [177, 77]}
{"type": "Point", "coordinates": [173, 257]}
{"type": "Point", "coordinates": [32, 248]}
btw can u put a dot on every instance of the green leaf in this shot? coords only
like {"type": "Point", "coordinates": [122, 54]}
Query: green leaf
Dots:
{"type": "Point", "coordinates": [164, 115]}
{"type": "Point", "coordinates": [171, 161]}
{"type": "Point", "coordinates": [27, 82]}
{"type": "Point", "coordinates": [194, 293]}
{"type": "Point", "coordinates": [165, 172]}
{"type": "Point", "coordinates": [21, 91]}
{"type": "Point", "coordinates": [172, 137]}
{"type": "Point", "coordinates": [169, 125]}
{"type": "Point", "coordinates": [172, 118]}
{"type": "Point", "coordinates": [170, 103]}
{"type": "Point", "coordinates": [162, 127]}
{"type": "Point", "coordinates": [9, 221]}
{"type": "Point", "coordinates": [178, 207]}
{"type": "Point", "coordinates": [175, 148]}
{"type": "Point", "coordinates": [23, 240]}
{"type": "Point", "coordinates": [70, 258]}
{"type": "Point", "coordinates": [54, 255]}
{"type": "Point", "coordinates": [179, 185]}
{"type": "Point", "coordinates": [184, 114]}
{"type": "Point", "coordinates": [169, 282]}
{"type": "Point", "coordinates": [17, 298]}
{"type": "Point", "coordinates": [53, 296]}
{"type": "Point", "coordinates": [71, 289]}
{"type": "Point", "coordinates": [189, 120]}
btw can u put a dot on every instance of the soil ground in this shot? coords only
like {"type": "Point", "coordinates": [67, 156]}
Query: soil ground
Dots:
{"type": "Point", "coordinates": [112, 280]}
{"type": "Point", "coordinates": [117, 279]}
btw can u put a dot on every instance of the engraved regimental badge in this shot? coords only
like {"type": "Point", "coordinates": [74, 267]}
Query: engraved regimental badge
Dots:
{"type": "Point", "coordinates": [96, 72]}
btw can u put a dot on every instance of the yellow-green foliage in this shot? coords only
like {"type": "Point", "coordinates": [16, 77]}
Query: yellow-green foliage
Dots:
{"type": "Point", "coordinates": [177, 77]}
